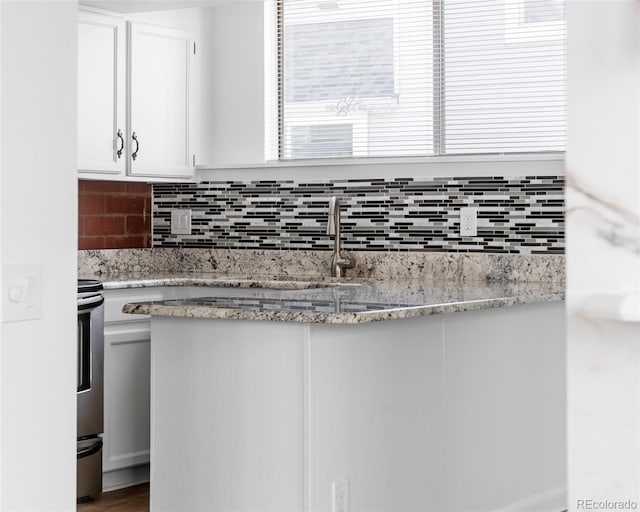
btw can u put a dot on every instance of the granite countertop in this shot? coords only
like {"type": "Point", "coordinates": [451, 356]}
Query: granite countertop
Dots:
{"type": "Point", "coordinates": [327, 301]}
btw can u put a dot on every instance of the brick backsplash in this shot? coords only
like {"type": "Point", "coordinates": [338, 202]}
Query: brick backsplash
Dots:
{"type": "Point", "coordinates": [518, 215]}
{"type": "Point", "coordinates": [114, 215]}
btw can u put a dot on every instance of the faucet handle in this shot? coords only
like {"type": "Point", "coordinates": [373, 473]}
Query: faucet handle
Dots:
{"type": "Point", "coordinates": [334, 209]}
{"type": "Point", "coordinates": [347, 260]}
{"type": "Point", "coordinates": [341, 262]}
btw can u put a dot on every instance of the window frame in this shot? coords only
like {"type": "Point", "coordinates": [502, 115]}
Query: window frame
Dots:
{"type": "Point", "coordinates": [512, 164]}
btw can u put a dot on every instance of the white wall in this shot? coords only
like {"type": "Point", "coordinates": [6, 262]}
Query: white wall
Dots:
{"type": "Point", "coordinates": [39, 225]}
{"type": "Point", "coordinates": [1, 259]}
{"type": "Point", "coordinates": [603, 262]}
{"type": "Point", "coordinates": [233, 84]}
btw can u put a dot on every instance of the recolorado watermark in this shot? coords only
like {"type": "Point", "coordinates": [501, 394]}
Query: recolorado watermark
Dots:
{"type": "Point", "coordinates": [606, 505]}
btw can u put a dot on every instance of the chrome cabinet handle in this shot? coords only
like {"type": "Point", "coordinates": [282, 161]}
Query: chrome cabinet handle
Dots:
{"type": "Point", "coordinates": [119, 135]}
{"type": "Point", "coordinates": [135, 153]}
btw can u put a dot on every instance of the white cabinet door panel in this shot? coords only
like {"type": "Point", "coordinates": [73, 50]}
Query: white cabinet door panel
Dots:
{"type": "Point", "coordinates": [160, 62]}
{"type": "Point", "coordinates": [101, 93]}
{"type": "Point", "coordinates": [126, 400]}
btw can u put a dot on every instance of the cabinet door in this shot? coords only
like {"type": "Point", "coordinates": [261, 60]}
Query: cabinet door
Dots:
{"type": "Point", "coordinates": [101, 94]}
{"type": "Point", "coordinates": [126, 395]}
{"type": "Point", "coordinates": [160, 67]}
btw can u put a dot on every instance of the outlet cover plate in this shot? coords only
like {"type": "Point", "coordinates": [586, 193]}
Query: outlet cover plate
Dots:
{"type": "Point", "coordinates": [468, 221]}
{"type": "Point", "coordinates": [341, 496]}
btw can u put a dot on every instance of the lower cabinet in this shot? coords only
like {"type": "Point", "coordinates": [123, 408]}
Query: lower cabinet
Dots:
{"type": "Point", "coordinates": [127, 352]}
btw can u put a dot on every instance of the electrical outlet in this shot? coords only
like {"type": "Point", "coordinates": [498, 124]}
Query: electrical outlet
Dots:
{"type": "Point", "coordinates": [180, 222]}
{"type": "Point", "coordinates": [341, 496]}
{"type": "Point", "coordinates": [468, 221]}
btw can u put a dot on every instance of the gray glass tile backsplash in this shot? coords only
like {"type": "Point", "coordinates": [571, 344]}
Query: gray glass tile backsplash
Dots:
{"type": "Point", "coordinates": [520, 215]}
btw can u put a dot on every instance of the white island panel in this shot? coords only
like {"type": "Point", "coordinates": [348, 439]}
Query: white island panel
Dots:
{"type": "Point", "coordinates": [227, 409]}
{"type": "Point", "coordinates": [460, 411]}
{"type": "Point", "coordinates": [505, 409]}
{"type": "Point", "coordinates": [375, 411]}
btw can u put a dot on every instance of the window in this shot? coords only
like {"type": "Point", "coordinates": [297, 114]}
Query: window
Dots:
{"type": "Point", "coordinates": [534, 21]}
{"type": "Point", "coordinates": [387, 78]}
{"type": "Point", "coordinates": [355, 60]}
{"type": "Point", "coordinates": [317, 141]}
{"type": "Point", "coordinates": [543, 11]}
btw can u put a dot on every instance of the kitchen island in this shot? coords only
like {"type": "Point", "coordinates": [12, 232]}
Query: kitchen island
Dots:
{"type": "Point", "coordinates": [412, 395]}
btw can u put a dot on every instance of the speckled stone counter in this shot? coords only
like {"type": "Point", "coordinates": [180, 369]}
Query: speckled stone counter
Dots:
{"type": "Point", "coordinates": [331, 302]}
{"type": "Point", "coordinates": [369, 264]}
{"type": "Point", "coordinates": [291, 286]}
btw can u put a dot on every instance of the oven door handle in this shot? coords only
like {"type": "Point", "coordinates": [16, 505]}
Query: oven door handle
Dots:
{"type": "Point", "coordinates": [90, 302]}
{"type": "Point", "coordinates": [90, 449]}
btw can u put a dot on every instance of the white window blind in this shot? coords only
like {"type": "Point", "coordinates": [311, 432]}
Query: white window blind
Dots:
{"type": "Point", "coordinates": [386, 78]}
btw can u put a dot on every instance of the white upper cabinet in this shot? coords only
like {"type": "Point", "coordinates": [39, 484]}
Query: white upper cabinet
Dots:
{"type": "Point", "coordinates": [101, 94]}
{"type": "Point", "coordinates": [160, 68]}
{"type": "Point", "coordinates": [134, 99]}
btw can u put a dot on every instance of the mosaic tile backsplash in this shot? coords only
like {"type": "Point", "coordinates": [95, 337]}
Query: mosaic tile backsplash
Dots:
{"type": "Point", "coordinates": [519, 215]}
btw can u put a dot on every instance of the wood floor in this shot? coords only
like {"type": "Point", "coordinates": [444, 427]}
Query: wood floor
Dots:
{"type": "Point", "coordinates": [131, 499]}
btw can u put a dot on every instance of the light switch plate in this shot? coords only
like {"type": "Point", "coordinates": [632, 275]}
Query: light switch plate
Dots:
{"type": "Point", "coordinates": [21, 292]}
{"type": "Point", "coordinates": [180, 222]}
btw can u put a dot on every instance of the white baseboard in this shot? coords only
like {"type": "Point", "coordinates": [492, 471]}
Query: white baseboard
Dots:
{"type": "Point", "coordinates": [551, 500]}
{"type": "Point", "coordinates": [127, 477]}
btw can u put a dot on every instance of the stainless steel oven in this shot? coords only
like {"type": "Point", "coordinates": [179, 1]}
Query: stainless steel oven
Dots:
{"type": "Point", "coordinates": [90, 388]}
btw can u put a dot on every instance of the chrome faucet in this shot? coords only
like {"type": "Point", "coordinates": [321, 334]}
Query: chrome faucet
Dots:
{"type": "Point", "coordinates": [340, 260]}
